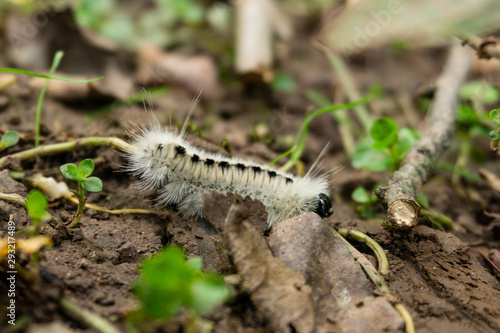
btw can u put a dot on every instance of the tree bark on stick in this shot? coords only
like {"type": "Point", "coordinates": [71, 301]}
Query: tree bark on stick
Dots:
{"type": "Point", "coordinates": [399, 197]}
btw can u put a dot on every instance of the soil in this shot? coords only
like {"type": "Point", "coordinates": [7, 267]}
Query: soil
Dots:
{"type": "Point", "coordinates": [302, 278]}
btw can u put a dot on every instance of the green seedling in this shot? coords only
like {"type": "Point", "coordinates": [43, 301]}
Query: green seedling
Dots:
{"type": "Point", "coordinates": [168, 282]}
{"type": "Point", "coordinates": [365, 201]}
{"type": "Point", "coordinates": [9, 139]}
{"type": "Point", "coordinates": [36, 204]}
{"type": "Point", "coordinates": [438, 220]}
{"type": "Point", "coordinates": [386, 147]}
{"type": "Point", "coordinates": [81, 175]}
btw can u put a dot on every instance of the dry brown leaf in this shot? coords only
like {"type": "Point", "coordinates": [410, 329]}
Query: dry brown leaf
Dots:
{"type": "Point", "coordinates": [279, 293]}
{"type": "Point", "coordinates": [27, 246]}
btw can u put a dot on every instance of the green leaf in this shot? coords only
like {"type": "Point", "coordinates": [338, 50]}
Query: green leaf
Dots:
{"type": "Point", "coordinates": [406, 139]}
{"type": "Point", "coordinates": [9, 139]}
{"type": "Point", "coordinates": [20, 71]}
{"type": "Point", "coordinates": [70, 171]}
{"type": "Point", "coordinates": [35, 205]}
{"type": "Point", "coordinates": [384, 131]}
{"type": "Point", "coordinates": [360, 195]}
{"type": "Point", "coordinates": [480, 90]}
{"type": "Point", "coordinates": [92, 184]}
{"type": "Point", "coordinates": [466, 115]}
{"type": "Point", "coordinates": [283, 82]}
{"type": "Point", "coordinates": [494, 136]}
{"type": "Point", "coordinates": [366, 157]}
{"type": "Point", "coordinates": [495, 116]}
{"type": "Point", "coordinates": [207, 292]}
{"type": "Point", "coordinates": [86, 167]}
{"type": "Point", "coordinates": [168, 281]}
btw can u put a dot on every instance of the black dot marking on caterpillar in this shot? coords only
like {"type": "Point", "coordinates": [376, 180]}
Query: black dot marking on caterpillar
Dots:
{"type": "Point", "coordinates": [180, 150]}
{"type": "Point", "coordinates": [165, 161]}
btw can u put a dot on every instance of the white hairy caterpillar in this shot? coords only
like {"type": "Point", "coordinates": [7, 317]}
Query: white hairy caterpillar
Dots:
{"type": "Point", "coordinates": [181, 173]}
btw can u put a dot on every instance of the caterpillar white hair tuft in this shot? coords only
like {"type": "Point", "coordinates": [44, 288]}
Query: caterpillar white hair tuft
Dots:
{"type": "Point", "coordinates": [181, 173]}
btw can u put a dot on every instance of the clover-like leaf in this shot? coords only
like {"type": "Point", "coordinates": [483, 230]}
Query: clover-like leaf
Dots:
{"type": "Point", "coordinates": [86, 167]}
{"type": "Point", "coordinates": [384, 131]}
{"type": "Point", "coordinates": [366, 157]}
{"type": "Point", "coordinates": [92, 184]}
{"type": "Point", "coordinates": [70, 171]}
{"type": "Point", "coordinates": [9, 139]}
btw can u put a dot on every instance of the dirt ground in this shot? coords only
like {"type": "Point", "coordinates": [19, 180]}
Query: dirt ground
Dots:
{"type": "Point", "coordinates": [444, 279]}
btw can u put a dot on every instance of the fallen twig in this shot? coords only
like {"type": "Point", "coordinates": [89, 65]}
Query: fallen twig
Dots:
{"type": "Point", "coordinates": [399, 197]}
{"type": "Point", "coordinates": [486, 48]}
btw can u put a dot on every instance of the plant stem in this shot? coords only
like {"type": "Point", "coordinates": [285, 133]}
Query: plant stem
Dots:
{"type": "Point", "coordinates": [69, 146]}
{"type": "Point", "coordinates": [300, 139]}
{"type": "Point", "coordinates": [55, 63]}
{"type": "Point", "coordinates": [116, 211]}
{"type": "Point", "coordinates": [443, 220]}
{"type": "Point", "coordinates": [378, 281]}
{"type": "Point", "coordinates": [87, 317]}
{"type": "Point", "coordinates": [15, 198]}
{"type": "Point", "coordinates": [81, 205]}
{"type": "Point", "coordinates": [350, 88]}
{"type": "Point", "coordinates": [383, 263]}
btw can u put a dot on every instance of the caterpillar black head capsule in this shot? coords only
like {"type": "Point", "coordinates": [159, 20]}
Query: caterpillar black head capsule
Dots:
{"type": "Point", "coordinates": [324, 205]}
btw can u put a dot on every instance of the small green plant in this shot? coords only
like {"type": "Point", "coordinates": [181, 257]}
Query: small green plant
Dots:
{"type": "Point", "coordinates": [168, 281]}
{"type": "Point", "coordinates": [81, 175]}
{"type": "Point", "coordinates": [9, 139]}
{"type": "Point", "coordinates": [386, 147]}
{"type": "Point", "coordinates": [36, 204]}
{"type": "Point", "coordinates": [437, 220]}
{"type": "Point", "coordinates": [365, 201]}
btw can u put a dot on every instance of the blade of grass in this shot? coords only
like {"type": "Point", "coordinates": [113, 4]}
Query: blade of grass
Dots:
{"type": "Point", "coordinates": [20, 71]}
{"type": "Point", "coordinates": [55, 63]}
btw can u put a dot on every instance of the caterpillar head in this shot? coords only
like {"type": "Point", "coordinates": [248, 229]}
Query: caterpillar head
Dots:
{"type": "Point", "coordinates": [323, 205]}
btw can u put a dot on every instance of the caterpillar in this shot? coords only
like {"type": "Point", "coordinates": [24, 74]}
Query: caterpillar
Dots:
{"type": "Point", "coordinates": [181, 173]}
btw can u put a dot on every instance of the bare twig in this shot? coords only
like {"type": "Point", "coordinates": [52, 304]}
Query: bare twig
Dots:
{"type": "Point", "coordinates": [399, 197]}
{"type": "Point", "coordinates": [486, 48]}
